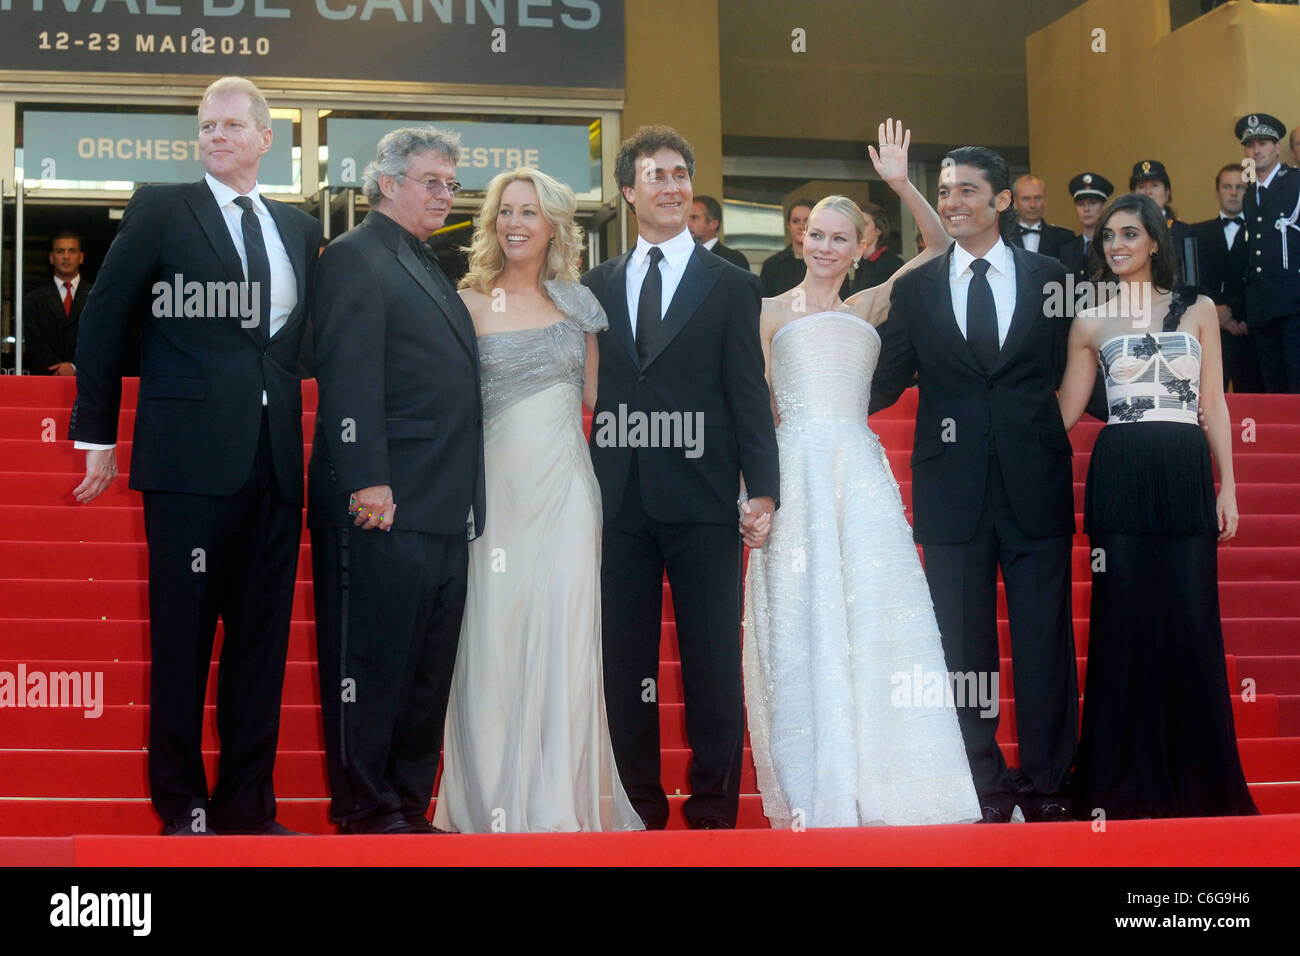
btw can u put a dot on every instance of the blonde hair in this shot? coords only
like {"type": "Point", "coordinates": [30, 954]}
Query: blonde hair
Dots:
{"type": "Point", "coordinates": [847, 208]}
{"type": "Point", "coordinates": [559, 205]}
{"type": "Point", "coordinates": [261, 113]}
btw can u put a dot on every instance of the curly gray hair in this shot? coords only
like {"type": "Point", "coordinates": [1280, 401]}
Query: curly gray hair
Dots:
{"type": "Point", "coordinates": [396, 148]}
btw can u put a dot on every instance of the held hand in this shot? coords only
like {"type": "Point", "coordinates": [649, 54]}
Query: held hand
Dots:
{"type": "Point", "coordinates": [101, 472]}
{"type": "Point", "coordinates": [1239, 328]}
{"type": "Point", "coordinates": [1226, 508]}
{"type": "Point", "coordinates": [62, 368]}
{"type": "Point", "coordinates": [1225, 316]}
{"type": "Point", "coordinates": [1200, 418]}
{"type": "Point", "coordinates": [891, 158]}
{"type": "Point", "coordinates": [756, 521]}
{"type": "Point", "coordinates": [373, 507]}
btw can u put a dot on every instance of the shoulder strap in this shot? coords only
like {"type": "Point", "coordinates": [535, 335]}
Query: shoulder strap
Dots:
{"type": "Point", "coordinates": [1180, 303]}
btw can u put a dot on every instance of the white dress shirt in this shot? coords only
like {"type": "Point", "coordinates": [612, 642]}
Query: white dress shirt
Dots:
{"type": "Point", "coordinates": [75, 281]}
{"type": "Point", "coordinates": [1266, 182]}
{"type": "Point", "coordinates": [1030, 240]}
{"type": "Point", "coordinates": [1230, 231]}
{"type": "Point", "coordinates": [1002, 280]}
{"type": "Point", "coordinates": [284, 286]}
{"type": "Point", "coordinates": [677, 252]}
{"type": "Point", "coordinates": [710, 243]}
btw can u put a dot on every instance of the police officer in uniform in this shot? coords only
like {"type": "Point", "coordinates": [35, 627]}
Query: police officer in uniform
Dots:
{"type": "Point", "coordinates": [1150, 177]}
{"type": "Point", "coordinates": [1271, 211]}
{"type": "Point", "coordinates": [1090, 192]}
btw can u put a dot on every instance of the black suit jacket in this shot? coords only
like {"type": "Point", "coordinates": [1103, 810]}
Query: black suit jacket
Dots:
{"type": "Point", "coordinates": [1050, 240]}
{"type": "Point", "coordinates": [1071, 255]}
{"type": "Point", "coordinates": [964, 412]}
{"type": "Point", "coordinates": [49, 336]}
{"type": "Point", "coordinates": [1272, 291]}
{"type": "Point", "coordinates": [737, 259]}
{"type": "Point", "coordinates": [199, 415]}
{"type": "Point", "coordinates": [707, 358]}
{"type": "Point", "coordinates": [398, 373]}
{"type": "Point", "coordinates": [1222, 270]}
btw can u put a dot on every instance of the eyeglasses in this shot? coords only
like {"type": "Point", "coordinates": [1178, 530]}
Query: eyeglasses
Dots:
{"type": "Point", "coordinates": [435, 186]}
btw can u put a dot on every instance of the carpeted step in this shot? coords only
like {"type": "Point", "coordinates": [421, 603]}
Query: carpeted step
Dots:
{"type": "Point", "coordinates": [101, 774]}
{"type": "Point", "coordinates": [124, 726]}
{"type": "Point", "coordinates": [1274, 675]}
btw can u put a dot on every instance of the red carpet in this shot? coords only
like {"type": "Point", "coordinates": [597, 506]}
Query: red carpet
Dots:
{"type": "Point", "coordinates": [75, 600]}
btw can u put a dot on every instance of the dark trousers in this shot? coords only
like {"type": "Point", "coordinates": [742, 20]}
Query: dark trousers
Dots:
{"type": "Point", "coordinates": [963, 584]}
{"type": "Point", "coordinates": [703, 563]}
{"type": "Point", "coordinates": [1277, 343]}
{"type": "Point", "coordinates": [236, 557]}
{"type": "Point", "coordinates": [388, 613]}
{"type": "Point", "coordinates": [1240, 362]}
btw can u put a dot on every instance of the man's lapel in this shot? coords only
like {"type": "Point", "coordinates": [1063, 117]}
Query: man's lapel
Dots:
{"type": "Point", "coordinates": [420, 273]}
{"type": "Point", "coordinates": [938, 301]}
{"type": "Point", "coordinates": [702, 271]}
{"type": "Point", "coordinates": [616, 308]}
{"type": "Point", "coordinates": [1029, 306]}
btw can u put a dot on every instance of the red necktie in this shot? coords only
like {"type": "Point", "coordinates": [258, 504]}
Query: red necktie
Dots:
{"type": "Point", "coordinates": [67, 298]}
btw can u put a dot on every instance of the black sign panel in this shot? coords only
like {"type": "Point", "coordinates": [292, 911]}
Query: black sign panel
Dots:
{"type": "Point", "coordinates": [494, 42]}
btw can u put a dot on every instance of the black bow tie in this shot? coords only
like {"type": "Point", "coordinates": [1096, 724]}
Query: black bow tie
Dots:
{"type": "Point", "coordinates": [1238, 220]}
{"type": "Point", "coordinates": [1025, 230]}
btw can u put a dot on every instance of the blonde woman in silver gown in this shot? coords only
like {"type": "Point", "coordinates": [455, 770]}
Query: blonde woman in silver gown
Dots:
{"type": "Point", "coordinates": [527, 743]}
{"type": "Point", "coordinates": [839, 624]}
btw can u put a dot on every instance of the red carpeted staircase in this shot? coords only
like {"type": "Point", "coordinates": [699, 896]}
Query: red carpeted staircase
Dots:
{"type": "Point", "coordinates": [74, 599]}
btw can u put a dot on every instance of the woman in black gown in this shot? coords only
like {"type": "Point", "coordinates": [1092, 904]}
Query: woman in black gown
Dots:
{"type": "Point", "coordinates": [1158, 737]}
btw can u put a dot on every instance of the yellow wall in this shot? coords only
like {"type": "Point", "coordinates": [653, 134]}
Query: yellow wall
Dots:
{"type": "Point", "coordinates": [1154, 94]}
{"type": "Point", "coordinates": [954, 70]}
{"type": "Point", "coordinates": [672, 78]}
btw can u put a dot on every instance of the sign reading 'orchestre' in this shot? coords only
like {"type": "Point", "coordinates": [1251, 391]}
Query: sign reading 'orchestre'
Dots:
{"type": "Point", "coordinates": [568, 43]}
{"type": "Point", "coordinates": [132, 147]}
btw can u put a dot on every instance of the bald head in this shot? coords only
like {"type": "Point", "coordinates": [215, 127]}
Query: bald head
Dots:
{"type": "Point", "coordinates": [1029, 196]}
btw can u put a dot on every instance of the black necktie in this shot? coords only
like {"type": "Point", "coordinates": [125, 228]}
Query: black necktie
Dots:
{"type": "Point", "coordinates": [649, 305]}
{"type": "Point", "coordinates": [982, 316]}
{"type": "Point", "coordinates": [259, 266]}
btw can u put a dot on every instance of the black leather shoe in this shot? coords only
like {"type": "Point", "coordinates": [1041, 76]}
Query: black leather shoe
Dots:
{"type": "Point", "coordinates": [265, 828]}
{"type": "Point", "coordinates": [185, 828]}
{"type": "Point", "coordinates": [422, 824]}
{"type": "Point", "coordinates": [1049, 811]}
{"type": "Point", "coordinates": [384, 823]}
{"type": "Point", "coordinates": [710, 823]}
{"type": "Point", "coordinates": [993, 815]}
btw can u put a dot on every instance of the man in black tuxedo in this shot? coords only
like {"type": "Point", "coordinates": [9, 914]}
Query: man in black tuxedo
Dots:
{"type": "Point", "coordinates": [400, 425]}
{"type": "Point", "coordinates": [217, 452]}
{"type": "Point", "coordinates": [682, 340]}
{"type": "Point", "coordinates": [1221, 249]}
{"type": "Point", "coordinates": [704, 222]}
{"type": "Point", "coordinates": [52, 310]}
{"type": "Point", "coordinates": [991, 477]}
{"type": "Point", "coordinates": [1028, 230]}
{"type": "Point", "coordinates": [1272, 213]}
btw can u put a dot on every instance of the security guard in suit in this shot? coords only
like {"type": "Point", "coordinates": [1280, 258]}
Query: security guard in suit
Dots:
{"type": "Point", "coordinates": [1271, 211]}
{"type": "Point", "coordinates": [1150, 177]}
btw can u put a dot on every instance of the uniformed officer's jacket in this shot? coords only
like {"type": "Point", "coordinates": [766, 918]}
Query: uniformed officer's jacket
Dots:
{"type": "Point", "coordinates": [1273, 248]}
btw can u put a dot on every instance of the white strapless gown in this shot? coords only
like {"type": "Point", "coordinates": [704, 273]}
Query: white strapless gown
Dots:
{"type": "Point", "coordinates": [838, 618]}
